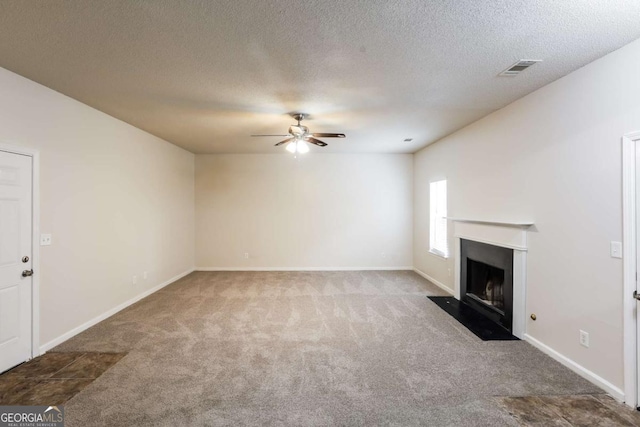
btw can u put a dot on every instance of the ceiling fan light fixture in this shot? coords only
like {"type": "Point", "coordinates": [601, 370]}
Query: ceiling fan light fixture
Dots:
{"type": "Point", "coordinates": [302, 146]}
{"type": "Point", "coordinates": [299, 137]}
{"type": "Point", "coordinates": [298, 146]}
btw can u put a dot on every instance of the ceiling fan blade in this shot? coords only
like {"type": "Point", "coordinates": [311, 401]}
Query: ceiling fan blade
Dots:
{"type": "Point", "coordinates": [315, 141]}
{"type": "Point", "coordinates": [285, 141]}
{"type": "Point", "coordinates": [271, 135]}
{"type": "Point", "coordinates": [329, 135]}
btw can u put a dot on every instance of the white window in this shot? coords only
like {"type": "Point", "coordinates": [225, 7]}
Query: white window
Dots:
{"type": "Point", "coordinates": [438, 222]}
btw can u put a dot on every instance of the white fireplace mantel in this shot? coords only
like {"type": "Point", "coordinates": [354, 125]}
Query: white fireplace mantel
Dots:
{"type": "Point", "coordinates": [507, 235]}
{"type": "Point", "coordinates": [484, 221]}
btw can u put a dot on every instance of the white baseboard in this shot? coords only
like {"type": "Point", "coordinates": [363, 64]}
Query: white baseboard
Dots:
{"type": "Point", "coordinates": [614, 391]}
{"type": "Point", "coordinates": [434, 281]}
{"type": "Point", "coordinates": [301, 268]}
{"type": "Point", "coordinates": [75, 331]}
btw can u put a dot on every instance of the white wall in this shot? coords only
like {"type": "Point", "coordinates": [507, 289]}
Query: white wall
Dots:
{"type": "Point", "coordinates": [554, 157]}
{"type": "Point", "coordinates": [316, 211]}
{"type": "Point", "coordinates": [117, 201]}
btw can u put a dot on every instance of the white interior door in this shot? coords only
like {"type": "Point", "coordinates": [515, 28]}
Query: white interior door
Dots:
{"type": "Point", "coordinates": [15, 259]}
{"type": "Point", "coordinates": [637, 289]}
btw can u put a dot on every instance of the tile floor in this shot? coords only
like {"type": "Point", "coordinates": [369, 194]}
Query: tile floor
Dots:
{"type": "Point", "coordinates": [54, 378]}
{"type": "Point", "coordinates": [570, 410]}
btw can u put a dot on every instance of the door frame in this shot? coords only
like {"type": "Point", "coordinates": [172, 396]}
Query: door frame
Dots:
{"type": "Point", "coordinates": [35, 238]}
{"type": "Point", "coordinates": [629, 248]}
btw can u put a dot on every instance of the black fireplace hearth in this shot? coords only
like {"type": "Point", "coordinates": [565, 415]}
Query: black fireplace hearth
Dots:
{"type": "Point", "coordinates": [483, 327]}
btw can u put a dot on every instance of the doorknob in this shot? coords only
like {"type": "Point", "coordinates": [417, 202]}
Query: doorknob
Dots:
{"type": "Point", "coordinates": [27, 273]}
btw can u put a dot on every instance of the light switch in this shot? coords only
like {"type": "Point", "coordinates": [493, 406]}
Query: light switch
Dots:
{"type": "Point", "coordinates": [616, 249]}
{"type": "Point", "coordinates": [45, 239]}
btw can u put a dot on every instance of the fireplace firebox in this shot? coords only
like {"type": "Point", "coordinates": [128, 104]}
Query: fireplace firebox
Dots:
{"type": "Point", "coordinates": [486, 280]}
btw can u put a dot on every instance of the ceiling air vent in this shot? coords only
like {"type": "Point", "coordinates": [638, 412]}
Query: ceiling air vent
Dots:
{"type": "Point", "coordinates": [518, 67]}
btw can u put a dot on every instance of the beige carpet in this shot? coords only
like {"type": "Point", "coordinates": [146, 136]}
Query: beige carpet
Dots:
{"type": "Point", "coordinates": [304, 348]}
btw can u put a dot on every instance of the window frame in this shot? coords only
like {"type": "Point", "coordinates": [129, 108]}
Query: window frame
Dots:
{"type": "Point", "coordinates": [436, 214]}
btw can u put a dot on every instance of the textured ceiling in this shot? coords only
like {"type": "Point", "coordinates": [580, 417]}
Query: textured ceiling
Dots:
{"type": "Point", "coordinates": [207, 74]}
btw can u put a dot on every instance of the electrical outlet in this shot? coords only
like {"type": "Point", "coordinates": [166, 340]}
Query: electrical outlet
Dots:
{"type": "Point", "coordinates": [144, 275]}
{"type": "Point", "coordinates": [134, 279]}
{"type": "Point", "coordinates": [584, 339]}
{"type": "Point", "coordinates": [246, 255]}
{"type": "Point", "coordinates": [45, 239]}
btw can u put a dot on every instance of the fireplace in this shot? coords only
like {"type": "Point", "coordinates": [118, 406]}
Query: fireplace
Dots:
{"type": "Point", "coordinates": [486, 280]}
